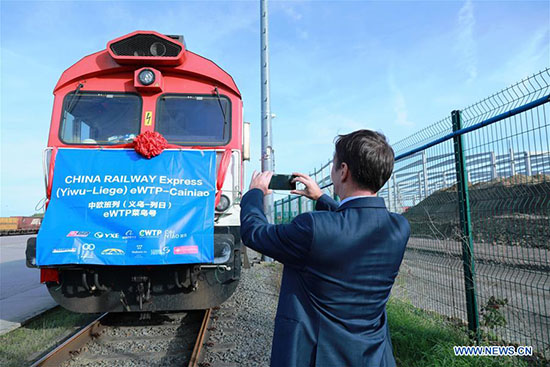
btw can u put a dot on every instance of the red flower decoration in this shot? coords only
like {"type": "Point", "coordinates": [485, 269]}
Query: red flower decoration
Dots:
{"type": "Point", "coordinates": [150, 144]}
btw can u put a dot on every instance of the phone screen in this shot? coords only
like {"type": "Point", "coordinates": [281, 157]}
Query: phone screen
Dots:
{"type": "Point", "coordinates": [282, 182]}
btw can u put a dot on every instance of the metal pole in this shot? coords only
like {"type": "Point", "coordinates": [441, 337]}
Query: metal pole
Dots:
{"type": "Point", "coordinates": [512, 162]}
{"type": "Point", "coordinates": [314, 202]}
{"type": "Point", "coordinates": [290, 217]}
{"type": "Point", "coordinates": [267, 144]}
{"type": "Point", "coordinates": [494, 173]}
{"type": "Point", "coordinates": [466, 226]}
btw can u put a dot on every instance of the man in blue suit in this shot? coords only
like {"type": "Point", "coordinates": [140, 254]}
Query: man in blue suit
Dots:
{"type": "Point", "coordinates": [340, 262]}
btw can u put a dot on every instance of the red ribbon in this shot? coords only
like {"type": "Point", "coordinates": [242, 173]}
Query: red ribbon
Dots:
{"type": "Point", "coordinates": [222, 170]}
{"type": "Point", "coordinates": [50, 176]}
{"type": "Point", "coordinates": [150, 144]}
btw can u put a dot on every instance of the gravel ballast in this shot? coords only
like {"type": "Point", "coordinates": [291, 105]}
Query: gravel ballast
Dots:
{"type": "Point", "coordinates": [242, 328]}
{"type": "Point", "coordinates": [163, 340]}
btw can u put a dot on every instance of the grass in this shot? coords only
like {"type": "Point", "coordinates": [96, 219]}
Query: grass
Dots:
{"type": "Point", "coordinates": [20, 346]}
{"type": "Point", "coordinates": [422, 339]}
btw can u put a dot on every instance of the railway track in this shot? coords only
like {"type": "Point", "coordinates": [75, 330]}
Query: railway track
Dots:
{"type": "Point", "coordinates": [123, 340]}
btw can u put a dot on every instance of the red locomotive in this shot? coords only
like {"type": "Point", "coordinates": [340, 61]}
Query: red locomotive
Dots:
{"type": "Point", "coordinates": [146, 81]}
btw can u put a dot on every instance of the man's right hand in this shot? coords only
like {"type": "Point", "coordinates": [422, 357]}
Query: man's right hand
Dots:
{"type": "Point", "coordinates": [312, 190]}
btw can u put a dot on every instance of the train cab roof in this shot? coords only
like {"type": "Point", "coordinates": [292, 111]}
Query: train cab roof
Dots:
{"type": "Point", "coordinates": [140, 48]}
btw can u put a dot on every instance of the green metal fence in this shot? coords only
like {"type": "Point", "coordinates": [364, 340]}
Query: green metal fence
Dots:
{"type": "Point", "coordinates": [475, 188]}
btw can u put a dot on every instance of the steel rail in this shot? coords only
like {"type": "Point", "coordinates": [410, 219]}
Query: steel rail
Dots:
{"type": "Point", "coordinates": [197, 349]}
{"type": "Point", "coordinates": [63, 351]}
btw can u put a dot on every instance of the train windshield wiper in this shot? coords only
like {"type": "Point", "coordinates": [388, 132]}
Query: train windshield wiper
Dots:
{"type": "Point", "coordinates": [74, 98]}
{"type": "Point", "coordinates": [222, 109]}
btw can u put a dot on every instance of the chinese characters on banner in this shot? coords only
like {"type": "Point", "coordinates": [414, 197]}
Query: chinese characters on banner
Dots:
{"type": "Point", "coordinates": [114, 207]}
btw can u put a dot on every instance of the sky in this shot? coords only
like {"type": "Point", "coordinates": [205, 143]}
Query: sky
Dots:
{"type": "Point", "coordinates": [336, 66]}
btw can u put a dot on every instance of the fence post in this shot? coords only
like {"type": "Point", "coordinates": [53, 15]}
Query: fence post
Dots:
{"type": "Point", "coordinates": [299, 205]}
{"type": "Point", "coordinates": [275, 217]}
{"type": "Point", "coordinates": [466, 227]}
{"type": "Point", "coordinates": [289, 212]}
{"type": "Point", "coordinates": [289, 209]}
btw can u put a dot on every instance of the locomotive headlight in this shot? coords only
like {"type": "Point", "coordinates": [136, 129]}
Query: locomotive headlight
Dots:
{"type": "Point", "coordinates": [223, 205]}
{"type": "Point", "coordinates": [146, 77]}
{"type": "Point", "coordinates": [157, 49]}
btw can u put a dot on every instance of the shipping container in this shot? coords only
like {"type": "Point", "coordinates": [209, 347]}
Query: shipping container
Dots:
{"type": "Point", "coordinates": [8, 226]}
{"type": "Point", "coordinates": [9, 220]}
{"type": "Point", "coordinates": [19, 225]}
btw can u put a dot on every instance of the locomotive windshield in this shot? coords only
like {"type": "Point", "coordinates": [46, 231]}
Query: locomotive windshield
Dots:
{"type": "Point", "coordinates": [194, 119]}
{"type": "Point", "coordinates": [100, 118]}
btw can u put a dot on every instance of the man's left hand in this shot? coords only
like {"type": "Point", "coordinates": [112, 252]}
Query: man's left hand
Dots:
{"type": "Point", "coordinates": [261, 181]}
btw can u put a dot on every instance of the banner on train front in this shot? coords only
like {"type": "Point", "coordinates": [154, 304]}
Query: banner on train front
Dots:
{"type": "Point", "coordinates": [114, 207]}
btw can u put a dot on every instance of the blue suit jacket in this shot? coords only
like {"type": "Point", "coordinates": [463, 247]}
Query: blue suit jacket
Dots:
{"type": "Point", "coordinates": [340, 265]}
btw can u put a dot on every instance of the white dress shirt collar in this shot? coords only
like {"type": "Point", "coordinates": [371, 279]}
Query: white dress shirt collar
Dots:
{"type": "Point", "coordinates": [353, 198]}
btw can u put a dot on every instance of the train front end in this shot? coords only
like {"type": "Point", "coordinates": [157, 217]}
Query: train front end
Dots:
{"type": "Point", "coordinates": [137, 233]}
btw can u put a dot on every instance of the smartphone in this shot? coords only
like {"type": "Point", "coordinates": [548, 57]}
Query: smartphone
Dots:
{"type": "Point", "coordinates": [282, 182]}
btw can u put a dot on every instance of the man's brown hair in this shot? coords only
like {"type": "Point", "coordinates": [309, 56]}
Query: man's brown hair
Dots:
{"type": "Point", "coordinates": [368, 156]}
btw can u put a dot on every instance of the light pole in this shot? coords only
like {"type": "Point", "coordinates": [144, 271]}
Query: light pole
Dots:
{"type": "Point", "coordinates": [267, 144]}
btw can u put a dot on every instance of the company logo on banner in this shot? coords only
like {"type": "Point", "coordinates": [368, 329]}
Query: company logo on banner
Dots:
{"type": "Point", "coordinates": [114, 207]}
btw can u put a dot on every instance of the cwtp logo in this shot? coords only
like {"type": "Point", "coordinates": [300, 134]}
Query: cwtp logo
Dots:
{"type": "Point", "coordinates": [78, 234]}
{"type": "Point", "coordinates": [88, 246]}
{"type": "Point", "coordinates": [112, 251]}
{"type": "Point", "coordinates": [185, 250]}
{"type": "Point", "coordinates": [150, 232]}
